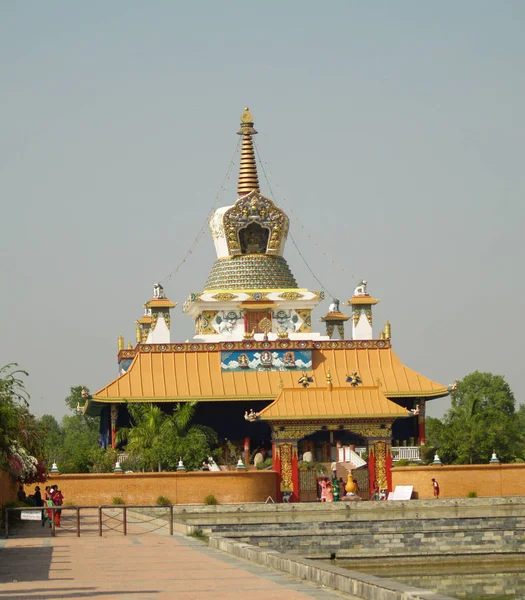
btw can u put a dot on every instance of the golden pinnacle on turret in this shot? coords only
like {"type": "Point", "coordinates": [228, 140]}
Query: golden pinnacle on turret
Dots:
{"type": "Point", "coordinates": [120, 342]}
{"type": "Point", "coordinates": [248, 180]}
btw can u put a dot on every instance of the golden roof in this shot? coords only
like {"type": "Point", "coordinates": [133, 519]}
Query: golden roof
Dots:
{"type": "Point", "coordinates": [364, 299]}
{"type": "Point", "coordinates": [160, 303]}
{"type": "Point", "coordinates": [145, 319]}
{"type": "Point", "coordinates": [182, 372]}
{"type": "Point", "coordinates": [344, 403]}
{"type": "Point", "coordinates": [335, 316]}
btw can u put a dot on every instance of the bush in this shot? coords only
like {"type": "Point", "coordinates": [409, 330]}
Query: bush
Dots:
{"type": "Point", "coordinates": [472, 494]}
{"type": "Point", "coordinates": [117, 500]}
{"type": "Point", "coordinates": [14, 515]}
{"type": "Point", "coordinates": [403, 462]}
{"type": "Point", "coordinates": [210, 500]}
{"type": "Point", "coordinates": [265, 464]}
{"type": "Point", "coordinates": [198, 534]}
{"type": "Point", "coordinates": [163, 501]}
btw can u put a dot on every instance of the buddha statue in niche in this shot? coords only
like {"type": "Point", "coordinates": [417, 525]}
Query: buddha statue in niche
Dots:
{"type": "Point", "coordinates": [254, 239]}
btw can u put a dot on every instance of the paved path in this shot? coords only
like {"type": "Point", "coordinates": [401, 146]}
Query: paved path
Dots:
{"type": "Point", "coordinates": [138, 567]}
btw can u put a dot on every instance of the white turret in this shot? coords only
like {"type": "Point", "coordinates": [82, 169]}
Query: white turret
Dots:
{"type": "Point", "coordinates": [154, 326]}
{"type": "Point", "coordinates": [361, 304]}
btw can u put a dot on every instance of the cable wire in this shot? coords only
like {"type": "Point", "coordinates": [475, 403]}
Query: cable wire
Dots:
{"type": "Point", "coordinates": [210, 214]}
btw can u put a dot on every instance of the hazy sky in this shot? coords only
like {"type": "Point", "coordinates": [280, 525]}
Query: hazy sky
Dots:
{"type": "Point", "coordinates": [391, 132]}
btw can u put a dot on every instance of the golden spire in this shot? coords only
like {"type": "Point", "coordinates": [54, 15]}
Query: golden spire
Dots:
{"type": "Point", "coordinates": [248, 179]}
{"type": "Point", "coordinates": [121, 342]}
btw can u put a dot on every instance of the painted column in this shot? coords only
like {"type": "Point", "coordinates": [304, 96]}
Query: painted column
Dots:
{"type": "Point", "coordinates": [380, 464]}
{"type": "Point", "coordinates": [286, 463]}
{"type": "Point", "coordinates": [114, 415]}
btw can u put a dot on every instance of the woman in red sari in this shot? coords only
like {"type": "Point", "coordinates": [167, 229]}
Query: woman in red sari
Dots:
{"type": "Point", "coordinates": [58, 500]}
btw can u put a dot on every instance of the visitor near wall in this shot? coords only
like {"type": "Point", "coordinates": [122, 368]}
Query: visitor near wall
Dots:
{"type": "Point", "coordinates": [435, 487]}
{"type": "Point", "coordinates": [21, 495]}
{"type": "Point", "coordinates": [58, 501]}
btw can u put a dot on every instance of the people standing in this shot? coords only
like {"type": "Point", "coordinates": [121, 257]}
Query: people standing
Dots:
{"type": "Point", "coordinates": [329, 492]}
{"type": "Point", "coordinates": [333, 466]}
{"type": "Point", "coordinates": [323, 484]}
{"type": "Point", "coordinates": [48, 501]}
{"type": "Point", "coordinates": [58, 501]}
{"type": "Point", "coordinates": [336, 489]}
{"type": "Point", "coordinates": [21, 495]}
{"type": "Point", "coordinates": [375, 491]}
{"type": "Point", "coordinates": [435, 487]}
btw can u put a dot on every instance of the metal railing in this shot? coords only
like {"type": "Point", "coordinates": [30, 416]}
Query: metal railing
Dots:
{"type": "Point", "coordinates": [98, 519]}
{"type": "Point", "coordinates": [405, 452]}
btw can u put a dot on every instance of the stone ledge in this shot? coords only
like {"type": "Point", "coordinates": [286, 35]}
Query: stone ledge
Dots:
{"type": "Point", "coordinates": [358, 584]}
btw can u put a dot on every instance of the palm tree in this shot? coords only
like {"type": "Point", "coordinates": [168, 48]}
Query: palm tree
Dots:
{"type": "Point", "coordinates": [148, 425]}
{"type": "Point", "coordinates": [157, 439]}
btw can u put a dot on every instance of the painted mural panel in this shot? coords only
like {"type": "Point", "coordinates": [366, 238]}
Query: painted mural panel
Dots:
{"type": "Point", "coordinates": [266, 360]}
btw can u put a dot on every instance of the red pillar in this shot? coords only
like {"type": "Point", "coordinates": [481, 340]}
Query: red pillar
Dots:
{"type": "Point", "coordinates": [295, 474]}
{"type": "Point", "coordinates": [114, 415]}
{"type": "Point", "coordinates": [276, 464]}
{"type": "Point", "coordinates": [421, 423]}
{"type": "Point", "coordinates": [246, 452]}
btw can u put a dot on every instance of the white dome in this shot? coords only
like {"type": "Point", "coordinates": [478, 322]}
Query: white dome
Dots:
{"type": "Point", "coordinates": [217, 231]}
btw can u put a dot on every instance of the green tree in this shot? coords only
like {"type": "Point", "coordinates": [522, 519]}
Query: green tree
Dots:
{"type": "Point", "coordinates": [192, 443]}
{"type": "Point", "coordinates": [157, 440]}
{"type": "Point", "coordinates": [145, 436]}
{"type": "Point", "coordinates": [13, 397]}
{"type": "Point", "coordinates": [75, 401]}
{"type": "Point", "coordinates": [482, 418]}
{"type": "Point", "coordinates": [21, 435]}
{"type": "Point", "coordinates": [80, 439]}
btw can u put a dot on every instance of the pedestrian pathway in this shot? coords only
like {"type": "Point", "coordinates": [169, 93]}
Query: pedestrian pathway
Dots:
{"type": "Point", "coordinates": [140, 567]}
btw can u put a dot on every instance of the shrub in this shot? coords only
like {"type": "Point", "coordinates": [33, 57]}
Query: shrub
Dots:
{"type": "Point", "coordinates": [403, 462]}
{"type": "Point", "coordinates": [163, 501]}
{"type": "Point", "coordinates": [14, 515]}
{"type": "Point", "coordinates": [210, 500]}
{"type": "Point", "coordinates": [117, 500]}
{"type": "Point", "coordinates": [265, 464]}
{"type": "Point", "coordinates": [198, 534]}
{"type": "Point", "coordinates": [472, 494]}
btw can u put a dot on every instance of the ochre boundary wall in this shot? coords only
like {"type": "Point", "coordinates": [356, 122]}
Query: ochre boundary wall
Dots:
{"type": "Point", "coordinates": [180, 488]}
{"type": "Point", "coordinates": [8, 488]}
{"type": "Point", "coordinates": [456, 481]}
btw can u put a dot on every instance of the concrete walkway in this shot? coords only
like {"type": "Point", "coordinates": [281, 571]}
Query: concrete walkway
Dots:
{"type": "Point", "coordinates": [139, 567]}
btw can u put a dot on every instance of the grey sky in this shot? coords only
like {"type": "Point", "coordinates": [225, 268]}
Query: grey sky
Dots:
{"type": "Point", "coordinates": [393, 131]}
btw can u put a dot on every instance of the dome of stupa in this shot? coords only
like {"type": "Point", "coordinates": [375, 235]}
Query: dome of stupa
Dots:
{"type": "Point", "coordinates": [250, 235]}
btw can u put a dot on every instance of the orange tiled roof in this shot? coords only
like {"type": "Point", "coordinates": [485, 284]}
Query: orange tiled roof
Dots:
{"type": "Point", "coordinates": [160, 303]}
{"type": "Point", "coordinates": [316, 403]}
{"type": "Point", "coordinates": [180, 373]}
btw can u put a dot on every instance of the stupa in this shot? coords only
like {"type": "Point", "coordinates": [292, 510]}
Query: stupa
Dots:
{"type": "Point", "coordinates": [261, 376]}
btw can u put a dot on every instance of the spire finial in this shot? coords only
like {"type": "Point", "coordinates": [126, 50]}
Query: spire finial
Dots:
{"type": "Point", "coordinates": [248, 180]}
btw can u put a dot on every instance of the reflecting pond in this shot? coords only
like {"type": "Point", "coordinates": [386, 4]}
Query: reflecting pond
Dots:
{"type": "Point", "coordinates": [467, 578]}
